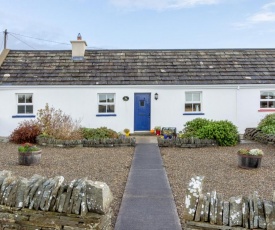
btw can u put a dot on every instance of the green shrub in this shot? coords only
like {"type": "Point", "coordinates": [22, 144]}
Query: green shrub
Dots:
{"type": "Point", "coordinates": [57, 124]}
{"type": "Point", "coordinates": [98, 133]}
{"type": "Point", "coordinates": [267, 124]}
{"type": "Point", "coordinates": [269, 129]}
{"type": "Point", "coordinates": [27, 131]}
{"type": "Point", "coordinates": [191, 128]}
{"type": "Point", "coordinates": [224, 132]}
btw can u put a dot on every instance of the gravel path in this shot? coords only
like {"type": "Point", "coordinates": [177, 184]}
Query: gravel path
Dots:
{"type": "Point", "coordinates": [219, 167]}
{"type": "Point", "coordinates": [110, 165]}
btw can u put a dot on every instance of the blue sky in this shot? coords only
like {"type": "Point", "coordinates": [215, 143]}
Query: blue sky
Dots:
{"type": "Point", "coordinates": [139, 24]}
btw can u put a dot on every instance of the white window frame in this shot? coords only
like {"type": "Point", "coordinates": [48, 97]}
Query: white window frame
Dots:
{"type": "Point", "coordinates": [193, 102]}
{"type": "Point", "coordinates": [269, 98]}
{"type": "Point", "coordinates": [25, 104]}
{"type": "Point", "coordinates": [112, 103]}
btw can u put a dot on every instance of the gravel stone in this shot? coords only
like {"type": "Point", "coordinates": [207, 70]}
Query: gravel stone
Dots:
{"type": "Point", "coordinates": [109, 165]}
{"type": "Point", "coordinates": [219, 166]}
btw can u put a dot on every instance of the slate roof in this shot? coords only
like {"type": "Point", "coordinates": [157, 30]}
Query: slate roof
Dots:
{"type": "Point", "coordinates": [140, 67]}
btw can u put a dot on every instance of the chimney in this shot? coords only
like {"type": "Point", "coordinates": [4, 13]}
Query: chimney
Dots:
{"type": "Point", "coordinates": [78, 48]}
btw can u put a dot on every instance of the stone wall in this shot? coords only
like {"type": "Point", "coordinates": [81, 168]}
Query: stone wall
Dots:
{"type": "Point", "coordinates": [256, 135]}
{"type": "Point", "coordinates": [185, 142]}
{"type": "Point", "coordinates": [51, 203]}
{"type": "Point", "coordinates": [211, 211]}
{"type": "Point", "coordinates": [106, 142]}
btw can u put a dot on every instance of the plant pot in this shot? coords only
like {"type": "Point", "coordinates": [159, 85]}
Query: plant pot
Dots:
{"type": "Point", "coordinates": [31, 158]}
{"type": "Point", "coordinates": [249, 161]}
{"type": "Point", "coordinates": [127, 134]}
{"type": "Point", "coordinates": [158, 132]}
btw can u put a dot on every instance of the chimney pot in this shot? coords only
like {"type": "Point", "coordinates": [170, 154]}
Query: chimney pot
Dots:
{"type": "Point", "coordinates": [79, 36]}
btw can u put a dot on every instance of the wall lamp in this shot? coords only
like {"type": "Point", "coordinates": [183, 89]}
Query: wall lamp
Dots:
{"type": "Point", "coordinates": [156, 96]}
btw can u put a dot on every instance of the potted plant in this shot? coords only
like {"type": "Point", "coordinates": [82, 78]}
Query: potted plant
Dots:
{"type": "Point", "coordinates": [250, 158]}
{"type": "Point", "coordinates": [157, 129]}
{"type": "Point", "coordinates": [167, 133]}
{"type": "Point", "coordinates": [127, 132]}
{"type": "Point", "coordinates": [29, 154]}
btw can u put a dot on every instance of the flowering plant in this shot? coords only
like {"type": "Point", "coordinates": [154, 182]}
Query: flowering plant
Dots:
{"type": "Point", "coordinates": [126, 130]}
{"type": "Point", "coordinates": [27, 148]}
{"type": "Point", "coordinates": [253, 152]}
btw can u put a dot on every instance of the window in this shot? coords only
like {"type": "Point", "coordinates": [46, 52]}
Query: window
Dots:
{"type": "Point", "coordinates": [24, 103]}
{"type": "Point", "coordinates": [267, 99]}
{"type": "Point", "coordinates": [193, 102]}
{"type": "Point", "coordinates": [106, 103]}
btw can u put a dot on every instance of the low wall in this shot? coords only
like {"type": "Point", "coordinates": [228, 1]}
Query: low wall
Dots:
{"type": "Point", "coordinates": [211, 211]}
{"type": "Point", "coordinates": [51, 203]}
{"type": "Point", "coordinates": [185, 142]}
{"type": "Point", "coordinates": [256, 135]}
{"type": "Point", "coordinates": [106, 142]}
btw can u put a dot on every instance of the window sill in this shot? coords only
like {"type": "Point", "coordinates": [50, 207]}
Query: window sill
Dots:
{"type": "Point", "coordinates": [266, 110]}
{"type": "Point", "coordinates": [23, 116]}
{"type": "Point", "coordinates": [106, 115]}
{"type": "Point", "coordinates": [193, 114]}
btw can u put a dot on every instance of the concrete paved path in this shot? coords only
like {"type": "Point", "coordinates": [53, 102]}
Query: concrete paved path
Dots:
{"type": "Point", "coordinates": [147, 202]}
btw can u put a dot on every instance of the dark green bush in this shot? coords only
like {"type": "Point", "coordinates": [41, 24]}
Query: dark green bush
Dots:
{"type": "Point", "coordinates": [267, 124]}
{"type": "Point", "coordinates": [191, 128]}
{"type": "Point", "coordinates": [224, 132]}
{"type": "Point", "coordinates": [98, 133]}
{"type": "Point", "coordinates": [27, 131]}
{"type": "Point", "coordinates": [269, 129]}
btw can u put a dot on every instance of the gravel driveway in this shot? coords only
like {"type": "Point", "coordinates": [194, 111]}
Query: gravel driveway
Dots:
{"type": "Point", "coordinates": [219, 167]}
{"type": "Point", "coordinates": [110, 165]}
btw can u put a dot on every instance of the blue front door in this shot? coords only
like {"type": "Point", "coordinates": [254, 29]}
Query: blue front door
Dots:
{"type": "Point", "coordinates": [142, 111]}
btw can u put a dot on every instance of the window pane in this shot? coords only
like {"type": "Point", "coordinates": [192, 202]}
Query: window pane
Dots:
{"type": "Point", "coordinates": [272, 95]}
{"type": "Point", "coordinates": [271, 104]}
{"type": "Point", "coordinates": [21, 98]}
{"type": "Point", "coordinates": [188, 107]}
{"type": "Point", "coordinates": [110, 98]}
{"type": "Point", "coordinates": [196, 97]}
{"type": "Point", "coordinates": [102, 108]}
{"type": "Point", "coordinates": [196, 107]}
{"type": "Point", "coordinates": [267, 95]}
{"type": "Point", "coordinates": [29, 109]}
{"type": "Point", "coordinates": [110, 109]}
{"type": "Point", "coordinates": [141, 103]}
{"type": "Point", "coordinates": [21, 109]}
{"type": "Point", "coordinates": [102, 98]}
{"type": "Point", "coordinates": [188, 97]}
{"type": "Point", "coordinates": [28, 98]}
{"type": "Point", "coordinates": [263, 104]}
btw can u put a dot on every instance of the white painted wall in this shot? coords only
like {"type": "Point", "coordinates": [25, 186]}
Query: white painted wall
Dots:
{"type": "Point", "coordinates": [238, 105]}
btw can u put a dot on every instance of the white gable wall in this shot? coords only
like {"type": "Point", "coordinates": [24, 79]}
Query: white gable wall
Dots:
{"type": "Point", "coordinates": [239, 105]}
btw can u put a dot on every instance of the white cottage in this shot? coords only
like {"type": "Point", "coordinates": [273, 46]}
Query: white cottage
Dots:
{"type": "Point", "coordinates": [138, 89]}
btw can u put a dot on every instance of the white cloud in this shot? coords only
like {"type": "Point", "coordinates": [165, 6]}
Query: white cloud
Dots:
{"type": "Point", "coordinates": [161, 4]}
{"type": "Point", "coordinates": [264, 15]}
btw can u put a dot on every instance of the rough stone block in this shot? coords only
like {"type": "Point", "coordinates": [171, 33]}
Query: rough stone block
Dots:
{"type": "Point", "coordinates": [225, 217]}
{"type": "Point", "coordinates": [213, 216]}
{"type": "Point", "coordinates": [235, 218]}
{"type": "Point", "coordinates": [99, 196]}
{"type": "Point", "coordinates": [191, 197]}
